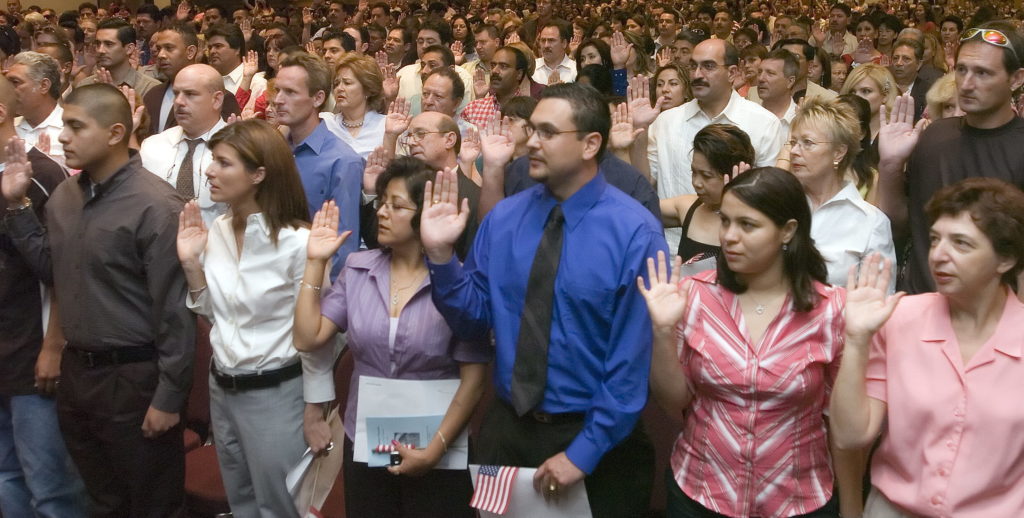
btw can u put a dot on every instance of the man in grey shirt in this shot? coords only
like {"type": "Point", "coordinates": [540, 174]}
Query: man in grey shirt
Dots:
{"type": "Point", "coordinates": [109, 248]}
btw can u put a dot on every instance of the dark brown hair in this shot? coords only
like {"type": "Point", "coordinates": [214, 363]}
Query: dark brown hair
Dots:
{"type": "Point", "coordinates": [996, 207]}
{"type": "Point", "coordinates": [280, 195]}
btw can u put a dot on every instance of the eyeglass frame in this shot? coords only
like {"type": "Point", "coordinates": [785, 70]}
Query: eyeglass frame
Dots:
{"type": "Point", "coordinates": [793, 143]}
{"type": "Point", "coordinates": [532, 130]}
{"type": "Point", "coordinates": [975, 31]}
{"type": "Point", "coordinates": [410, 137]}
{"type": "Point", "coordinates": [378, 204]}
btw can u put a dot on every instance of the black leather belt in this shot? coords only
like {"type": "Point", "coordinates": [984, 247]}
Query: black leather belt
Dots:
{"type": "Point", "coordinates": [114, 356]}
{"type": "Point", "coordinates": [265, 379]}
{"type": "Point", "coordinates": [546, 418]}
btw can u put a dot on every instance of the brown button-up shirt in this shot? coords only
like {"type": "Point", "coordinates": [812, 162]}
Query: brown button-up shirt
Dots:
{"type": "Point", "coordinates": [112, 250]}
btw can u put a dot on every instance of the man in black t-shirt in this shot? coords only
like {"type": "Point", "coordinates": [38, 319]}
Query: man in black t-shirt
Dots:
{"type": "Point", "coordinates": [988, 141]}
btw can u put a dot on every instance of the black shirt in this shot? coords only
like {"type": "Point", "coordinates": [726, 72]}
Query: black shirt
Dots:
{"type": "Point", "coordinates": [21, 309]}
{"type": "Point", "coordinates": [947, 152]}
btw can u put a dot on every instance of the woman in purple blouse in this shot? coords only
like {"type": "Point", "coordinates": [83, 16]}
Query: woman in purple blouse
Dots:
{"type": "Point", "coordinates": [382, 301]}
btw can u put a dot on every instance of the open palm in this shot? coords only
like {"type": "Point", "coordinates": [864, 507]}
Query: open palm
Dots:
{"type": "Point", "coordinates": [17, 174]}
{"type": "Point", "coordinates": [868, 306]}
{"type": "Point", "coordinates": [666, 298]}
{"type": "Point", "coordinates": [443, 220]}
{"type": "Point", "coordinates": [192, 233]}
{"type": "Point", "coordinates": [324, 239]}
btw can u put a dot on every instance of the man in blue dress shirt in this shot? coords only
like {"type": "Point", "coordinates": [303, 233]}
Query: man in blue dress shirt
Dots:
{"type": "Point", "coordinates": [329, 168]}
{"type": "Point", "coordinates": [553, 273]}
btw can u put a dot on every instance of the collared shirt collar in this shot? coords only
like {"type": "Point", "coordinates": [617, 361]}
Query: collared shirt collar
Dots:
{"type": "Point", "coordinates": [54, 120]}
{"type": "Point", "coordinates": [236, 75]}
{"type": "Point", "coordinates": [205, 136]}
{"type": "Point", "coordinates": [94, 190]}
{"type": "Point", "coordinates": [849, 194]}
{"type": "Point", "coordinates": [692, 108]}
{"type": "Point", "coordinates": [576, 207]}
{"type": "Point", "coordinates": [790, 112]}
{"type": "Point", "coordinates": [316, 140]}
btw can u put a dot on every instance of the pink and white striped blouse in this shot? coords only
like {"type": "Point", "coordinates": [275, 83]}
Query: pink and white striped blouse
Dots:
{"type": "Point", "coordinates": [754, 442]}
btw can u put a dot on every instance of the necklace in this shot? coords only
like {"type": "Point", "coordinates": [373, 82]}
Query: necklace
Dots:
{"type": "Point", "coordinates": [397, 290]}
{"type": "Point", "coordinates": [351, 124]}
{"type": "Point", "coordinates": [759, 308]}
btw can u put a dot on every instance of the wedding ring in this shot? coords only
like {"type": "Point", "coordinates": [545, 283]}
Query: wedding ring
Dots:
{"type": "Point", "coordinates": [552, 488]}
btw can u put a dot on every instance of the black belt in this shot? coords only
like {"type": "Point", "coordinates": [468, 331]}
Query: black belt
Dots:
{"type": "Point", "coordinates": [546, 418]}
{"type": "Point", "coordinates": [265, 379]}
{"type": "Point", "coordinates": [114, 356]}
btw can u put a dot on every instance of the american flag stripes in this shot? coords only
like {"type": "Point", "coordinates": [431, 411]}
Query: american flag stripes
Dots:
{"type": "Point", "coordinates": [493, 488]}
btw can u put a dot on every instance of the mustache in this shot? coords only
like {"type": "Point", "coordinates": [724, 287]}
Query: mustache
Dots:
{"type": "Point", "coordinates": [699, 82]}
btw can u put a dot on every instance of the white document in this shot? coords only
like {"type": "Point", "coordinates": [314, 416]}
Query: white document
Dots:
{"type": "Point", "coordinates": [384, 397]}
{"type": "Point", "coordinates": [294, 476]}
{"type": "Point", "coordinates": [528, 503]}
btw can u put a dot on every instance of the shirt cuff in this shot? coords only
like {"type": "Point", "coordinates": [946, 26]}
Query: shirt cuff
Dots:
{"type": "Point", "coordinates": [167, 399]}
{"type": "Point", "coordinates": [21, 223]}
{"type": "Point", "coordinates": [446, 274]}
{"type": "Point", "coordinates": [584, 454]}
{"type": "Point", "coordinates": [318, 374]}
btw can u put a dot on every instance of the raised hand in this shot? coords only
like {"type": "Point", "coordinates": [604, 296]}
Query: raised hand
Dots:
{"type": "Point", "coordinates": [620, 50]}
{"type": "Point", "coordinates": [480, 86]}
{"type": "Point", "coordinates": [251, 64]}
{"type": "Point", "coordinates": [554, 78]}
{"type": "Point", "coordinates": [868, 305]}
{"type": "Point", "coordinates": [43, 144]}
{"type": "Point", "coordinates": [665, 56]}
{"type": "Point", "coordinates": [233, 118]}
{"type": "Point", "coordinates": [470, 149]}
{"type": "Point", "coordinates": [739, 169]}
{"type": "Point", "coordinates": [442, 220]}
{"type": "Point", "coordinates": [898, 134]}
{"type": "Point", "coordinates": [459, 52]}
{"type": "Point", "coordinates": [666, 298]}
{"type": "Point", "coordinates": [103, 76]}
{"type": "Point", "coordinates": [621, 135]}
{"type": "Point", "coordinates": [496, 142]}
{"type": "Point", "coordinates": [246, 27]}
{"type": "Point", "coordinates": [136, 109]}
{"type": "Point", "coordinates": [390, 82]}
{"type": "Point", "coordinates": [574, 43]}
{"type": "Point", "coordinates": [324, 239]}
{"type": "Point", "coordinates": [512, 38]}
{"type": "Point", "coordinates": [192, 234]}
{"type": "Point", "coordinates": [638, 98]}
{"type": "Point", "coordinates": [183, 11]}
{"type": "Point", "coordinates": [133, 57]}
{"type": "Point", "coordinates": [398, 118]}
{"type": "Point", "coordinates": [307, 16]}
{"type": "Point", "coordinates": [376, 163]}
{"type": "Point", "coordinates": [17, 175]}
{"type": "Point", "coordinates": [381, 58]}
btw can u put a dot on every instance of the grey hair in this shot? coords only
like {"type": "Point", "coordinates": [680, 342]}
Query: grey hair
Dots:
{"type": "Point", "coordinates": [41, 66]}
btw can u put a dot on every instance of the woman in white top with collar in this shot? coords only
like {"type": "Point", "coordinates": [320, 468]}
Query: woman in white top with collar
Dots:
{"type": "Point", "coordinates": [244, 275]}
{"type": "Point", "coordinates": [358, 102]}
{"type": "Point", "coordinates": [824, 141]}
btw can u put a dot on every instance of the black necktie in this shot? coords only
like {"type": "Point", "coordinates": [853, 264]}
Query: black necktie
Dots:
{"type": "Point", "coordinates": [186, 184]}
{"type": "Point", "coordinates": [529, 376]}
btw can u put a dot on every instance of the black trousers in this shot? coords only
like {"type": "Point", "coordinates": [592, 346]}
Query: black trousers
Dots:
{"type": "Point", "coordinates": [621, 485]}
{"type": "Point", "coordinates": [680, 505]}
{"type": "Point", "coordinates": [100, 410]}
{"type": "Point", "coordinates": [376, 493]}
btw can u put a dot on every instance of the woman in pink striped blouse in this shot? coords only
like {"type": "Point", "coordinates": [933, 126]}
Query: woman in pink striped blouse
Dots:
{"type": "Point", "coordinates": [745, 356]}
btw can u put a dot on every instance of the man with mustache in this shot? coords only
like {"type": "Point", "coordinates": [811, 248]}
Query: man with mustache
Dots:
{"type": "Point", "coordinates": [181, 154]}
{"type": "Point", "coordinates": [115, 41]}
{"type": "Point", "coordinates": [670, 140]}
{"type": "Point", "coordinates": [509, 67]}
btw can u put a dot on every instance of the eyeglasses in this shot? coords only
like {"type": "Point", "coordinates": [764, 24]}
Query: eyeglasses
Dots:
{"type": "Point", "coordinates": [805, 143]}
{"type": "Point", "coordinates": [414, 137]}
{"type": "Point", "coordinates": [706, 66]}
{"type": "Point", "coordinates": [545, 134]}
{"type": "Point", "coordinates": [991, 36]}
{"type": "Point", "coordinates": [392, 206]}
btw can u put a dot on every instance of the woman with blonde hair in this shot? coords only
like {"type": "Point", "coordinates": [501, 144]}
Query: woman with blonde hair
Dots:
{"type": "Point", "coordinates": [877, 86]}
{"type": "Point", "coordinates": [934, 53]}
{"type": "Point", "coordinates": [824, 143]}
{"type": "Point", "coordinates": [243, 274]}
{"type": "Point", "coordinates": [358, 104]}
{"type": "Point", "coordinates": [941, 99]}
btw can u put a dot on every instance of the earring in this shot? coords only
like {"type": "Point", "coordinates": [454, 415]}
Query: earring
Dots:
{"type": "Point", "coordinates": [835, 164]}
{"type": "Point", "coordinates": [785, 247]}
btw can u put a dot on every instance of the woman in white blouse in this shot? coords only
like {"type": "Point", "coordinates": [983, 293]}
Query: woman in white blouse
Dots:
{"type": "Point", "coordinates": [824, 142]}
{"type": "Point", "coordinates": [358, 102]}
{"type": "Point", "coordinates": [243, 274]}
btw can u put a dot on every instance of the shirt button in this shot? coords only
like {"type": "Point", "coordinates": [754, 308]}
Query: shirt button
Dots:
{"type": "Point", "coordinates": [950, 445]}
{"type": "Point", "coordinates": [937, 500]}
{"type": "Point", "coordinates": [943, 472]}
{"type": "Point", "coordinates": [750, 436]}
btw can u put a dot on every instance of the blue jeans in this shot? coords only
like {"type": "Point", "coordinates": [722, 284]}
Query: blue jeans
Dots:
{"type": "Point", "coordinates": [37, 477]}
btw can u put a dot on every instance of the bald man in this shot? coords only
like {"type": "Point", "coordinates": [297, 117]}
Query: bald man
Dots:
{"type": "Point", "coordinates": [38, 479]}
{"type": "Point", "coordinates": [109, 250]}
{"type": "Point", "coordinates": [198, 97]}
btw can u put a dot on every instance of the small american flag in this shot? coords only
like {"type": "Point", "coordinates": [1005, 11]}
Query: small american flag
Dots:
{"type": "Point", "coordinates": [493, 488]}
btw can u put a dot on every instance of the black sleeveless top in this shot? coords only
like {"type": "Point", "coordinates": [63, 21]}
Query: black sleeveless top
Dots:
{"type": "Point", "coordinates": [688, 248]}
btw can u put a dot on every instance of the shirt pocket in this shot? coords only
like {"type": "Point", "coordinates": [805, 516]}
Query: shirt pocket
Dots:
{"type": "Point", "coordinates": [798, 377]}
{"type": "Point", "coordinates": [585, 310]}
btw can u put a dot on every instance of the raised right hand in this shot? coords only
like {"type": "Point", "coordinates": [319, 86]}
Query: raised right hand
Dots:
{"type": "Point", "coordinates": [376, 163]}
{"type": "Point", "coordinates": [898, 134]}
{"type": "Point", "coordinates": [442, 220]}
{"type": "Point", "coordinates": [398, 118]}
{"type": "Point", "coordinates": [666, 298]}
{"type": "Point", "coordinates": [192, 234]}
{"type": "Point", "coordinates": [868, 305]}
{"type": "Point", "coordinates": [496, 142]}
{"type": "Point", "coordinates": [17, 175]}
{"type": "Point", "coordinates": [324, 239]}
{"type": "Point", "coordinates": [620, 50]}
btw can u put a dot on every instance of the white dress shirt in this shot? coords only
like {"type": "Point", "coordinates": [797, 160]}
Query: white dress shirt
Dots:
{"type": "Point", "coordinates": [163, 153]}
{"type": "Point", "coordinates": [410, 86]}
{"type": "Point", "coordinates": [566, 71]}
{"type": "Point", "coordinates": [250, 299]}
{"type": "Point", "coordinates": [233, 78]}
{"type": "Point", "coordinates": [846, 229]}
{"type": "Point", "coordinates": [787, 120]}
{"type": "Point", "coordinates": [52, 125]}
{"type": "Point", "coordinates": [670, 144]}
{"type": "Point", "coordinates": [371, 134]}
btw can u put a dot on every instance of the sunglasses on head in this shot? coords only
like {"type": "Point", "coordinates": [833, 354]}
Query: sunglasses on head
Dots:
{"type": "Point", "coordinates": [991, 36]}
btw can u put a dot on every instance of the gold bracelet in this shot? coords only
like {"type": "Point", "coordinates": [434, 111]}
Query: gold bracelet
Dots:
{"type": "Point", "coordinates": [443, 442]}
{"type": "Point", "coordinates": [305, 284]}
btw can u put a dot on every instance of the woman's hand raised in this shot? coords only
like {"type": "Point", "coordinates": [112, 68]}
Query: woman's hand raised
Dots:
{"type": "Point", "coordinates": [324, 239]}
{"type": "Point", "coordinates": [666, 298]}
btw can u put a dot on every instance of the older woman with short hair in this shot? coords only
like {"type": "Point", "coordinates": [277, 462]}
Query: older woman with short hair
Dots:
{"type": "Point", "coordinates": [934, 374]}
{"type": "Point", "coordinates": [941, 99]}
{"type": "Point", "coordinates": [358, 103]}
{"type": "Point", "coordinates": [824, 143]}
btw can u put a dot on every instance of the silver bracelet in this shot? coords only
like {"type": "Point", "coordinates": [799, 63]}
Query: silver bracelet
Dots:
{"type": "Point", "coordinates": [305, 284]}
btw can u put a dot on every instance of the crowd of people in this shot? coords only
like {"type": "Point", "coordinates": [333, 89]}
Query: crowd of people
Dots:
{"type": "Point", "coordinates": [496, 190]}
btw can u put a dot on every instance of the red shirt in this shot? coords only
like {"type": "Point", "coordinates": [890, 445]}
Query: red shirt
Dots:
{"type": "Point", "coordinates": [754, 442]}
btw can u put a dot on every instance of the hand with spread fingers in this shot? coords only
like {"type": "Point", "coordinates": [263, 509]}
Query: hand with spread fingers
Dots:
{"type": "Point", "coordinates": [444, 218]}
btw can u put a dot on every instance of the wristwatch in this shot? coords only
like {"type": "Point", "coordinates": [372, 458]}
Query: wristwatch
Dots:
{"type": "Point", "coordinates": [26, 203]}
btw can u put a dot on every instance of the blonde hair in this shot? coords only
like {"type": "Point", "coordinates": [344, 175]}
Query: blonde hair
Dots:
{"type": "Point", "coordinates": [942, 92]}
{"type": "Point", "coordinates": [931, 42]}
{"type": "Point", "coordinates": [838, 121]}
{"type": "Point", "coordinates": [877, 73]}
{"type": "Point", "coordinates": [366, 71]}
